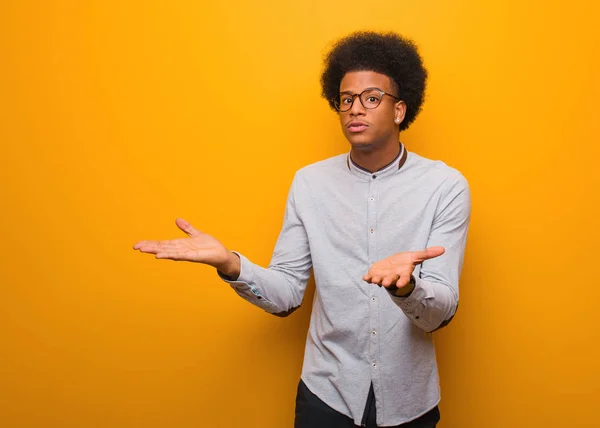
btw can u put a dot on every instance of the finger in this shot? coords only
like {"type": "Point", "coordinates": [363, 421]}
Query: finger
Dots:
{"type": "Point", "coordinates": [403, 281]}
{"type": "Point", "coordinates": [429, 253]}
{"type": "Point", "coordinates": [179, 255]}
{"type": "Point", "coordinates": [186, 227]}
{"type": "Point", "coordinates": [369, 276]}
{"type": "Point", "coordinates": [171, 244]}
{"type": "Point", "coordinates": [376, 280]}
{"type": "Point", "coordinates": [172, 255]}
{"type": "Point", "coordinates": [147, 247]}
{"type": "Point", "coordinates": [140, 244]}
{"type": "Point", "coordinates": [157, 246]}
{"type": "Point", "coordinates": [389, 280]}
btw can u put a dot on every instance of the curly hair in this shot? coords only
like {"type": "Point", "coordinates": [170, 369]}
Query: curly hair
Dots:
{"type": "Point", "coordinates": [386, 53]}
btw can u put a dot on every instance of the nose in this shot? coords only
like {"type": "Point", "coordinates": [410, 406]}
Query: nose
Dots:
{"type": "Point", "coordinates": [357, 108]}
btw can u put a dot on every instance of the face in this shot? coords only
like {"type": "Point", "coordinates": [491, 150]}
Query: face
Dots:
{"type": "Point", "coordinates": [369, 128]}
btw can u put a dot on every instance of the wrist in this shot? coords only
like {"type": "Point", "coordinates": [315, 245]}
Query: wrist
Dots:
{"type": "Point", "coordinates": [232, 267]}
{"type": "Point", "coordinates": [404, 291]}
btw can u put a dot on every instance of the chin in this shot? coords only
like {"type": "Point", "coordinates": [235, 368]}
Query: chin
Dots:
{"type": "Point", "coordinates": [360, 142]}
{"type": "Point", "coordinates": [362, 146]}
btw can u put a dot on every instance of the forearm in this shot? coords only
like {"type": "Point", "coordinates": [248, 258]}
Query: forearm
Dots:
{"type": "Point", "coordinates": [278, 289]}
{"type": "Point", "coordinates": [431, 305]}
{"type": "Point", "coordinates": [434, 301]}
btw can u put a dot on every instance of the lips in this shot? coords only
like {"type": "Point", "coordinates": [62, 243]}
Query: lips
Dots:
{"type": "Point", "coordinates": [357, 126]}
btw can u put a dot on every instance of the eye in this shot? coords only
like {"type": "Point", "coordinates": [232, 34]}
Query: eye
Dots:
{"type": "Point", "coordinates": [372, 99]}
{"type": "Point", "coordinates": [346, 100]}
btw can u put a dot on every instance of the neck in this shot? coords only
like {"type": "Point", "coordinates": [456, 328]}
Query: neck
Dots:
{"type": "Point", "coordinates": [374, 158]}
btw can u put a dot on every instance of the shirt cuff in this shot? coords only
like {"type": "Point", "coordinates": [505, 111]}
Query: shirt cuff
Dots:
{"type": "Point", "coordinates": [244, 280]}
{"type": "Point", "coordinates": [246, 287]}
{"type": "Point", "coordinates": [413, 305]}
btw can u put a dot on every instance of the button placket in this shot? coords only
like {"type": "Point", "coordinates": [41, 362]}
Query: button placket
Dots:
{"type": "Point", "coordinates": [372, 220]}
{"type": "Point", "coordinates": [372, 257]}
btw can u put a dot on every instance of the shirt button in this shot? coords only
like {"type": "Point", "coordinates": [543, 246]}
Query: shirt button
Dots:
{"type": "Point", "coordinates": [371, 230]}
{"type": "Point", "coordinates": [371, 199]}
{"type": "Point", "coordinates": [374, 176]}
{"type": "Point", "coordinates": [374, 332]}
{"type": "Point", "coordinates": [373, 299]}
{"type": "Point", "coordinates": [374, 364]}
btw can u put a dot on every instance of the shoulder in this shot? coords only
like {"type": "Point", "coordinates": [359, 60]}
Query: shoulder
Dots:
{"type": "Point", "coordinates": [324, 170]}
{"type": "Point", "coordinates": [449, 185]}
{"type": "Point", "coordinates": [436, 171]}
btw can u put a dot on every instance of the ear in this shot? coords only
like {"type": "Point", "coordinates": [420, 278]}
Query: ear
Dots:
{"type": "Point", "coordinates": [400, 110]}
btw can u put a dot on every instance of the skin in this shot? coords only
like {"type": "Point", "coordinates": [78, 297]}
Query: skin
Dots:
{"type": "Point", "coordinates": [371, 149]}
{"type": "Point", "coordinates": [378, 145]}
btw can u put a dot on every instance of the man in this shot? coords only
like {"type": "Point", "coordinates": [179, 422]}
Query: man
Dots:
{"type": "Point", "coordinates": [356, 220]}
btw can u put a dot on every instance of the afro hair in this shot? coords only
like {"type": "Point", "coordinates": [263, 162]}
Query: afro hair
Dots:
{"type": "Point", "coordinates": [386, 53]}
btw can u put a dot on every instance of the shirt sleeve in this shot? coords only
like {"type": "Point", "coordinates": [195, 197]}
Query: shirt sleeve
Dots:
{"type": "Point", "coordinates": [434, 300]}
{"type": "Point", "coordinates": [278, 289]}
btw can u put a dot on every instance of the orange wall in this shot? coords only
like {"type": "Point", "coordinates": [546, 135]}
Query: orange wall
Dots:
{"type": "Point", "coordinates": [117, 117]}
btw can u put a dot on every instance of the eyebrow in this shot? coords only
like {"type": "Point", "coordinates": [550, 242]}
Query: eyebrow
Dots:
{"type": "Point", "coordinates": [366, 89]}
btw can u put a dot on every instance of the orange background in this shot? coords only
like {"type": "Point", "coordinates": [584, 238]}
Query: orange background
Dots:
{"type": "Point", "coordinates": [117, 117]}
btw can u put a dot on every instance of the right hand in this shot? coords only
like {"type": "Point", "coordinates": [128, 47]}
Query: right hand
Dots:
{"type": "Point", "coordinates": [199, 247]}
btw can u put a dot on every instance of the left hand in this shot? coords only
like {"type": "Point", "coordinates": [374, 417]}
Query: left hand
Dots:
{"type": "Point", "coordinates": [399, 267]}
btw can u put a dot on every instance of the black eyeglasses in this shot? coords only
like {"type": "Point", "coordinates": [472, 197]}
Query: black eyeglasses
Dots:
{"type": "Point", "coordinates": [370, 98]}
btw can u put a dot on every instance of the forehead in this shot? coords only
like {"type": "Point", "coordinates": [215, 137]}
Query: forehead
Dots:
{"type": "Point", "coordinates": [357, 81]}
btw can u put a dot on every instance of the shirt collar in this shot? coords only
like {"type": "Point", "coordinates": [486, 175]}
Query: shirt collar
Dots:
{"type": "Point", "coordinates": [389, 169]}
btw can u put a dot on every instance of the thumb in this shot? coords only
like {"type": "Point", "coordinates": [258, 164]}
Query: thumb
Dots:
{"type": "Point", "coordinates": [187, 228]}
{"type": "Point", "coordinates": [429, 253]}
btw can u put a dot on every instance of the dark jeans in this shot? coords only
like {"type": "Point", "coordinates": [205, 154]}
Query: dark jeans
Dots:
{"type": "Point", "coordinates": [311, 412]}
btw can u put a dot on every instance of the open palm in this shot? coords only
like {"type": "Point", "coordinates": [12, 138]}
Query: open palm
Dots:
{"type": "Point", "coordinates": [199, 247]}
{"type": "Point", "coordinates": [399, 267]}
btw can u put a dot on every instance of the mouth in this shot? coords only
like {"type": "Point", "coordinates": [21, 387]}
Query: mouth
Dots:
{"type": "Point", "coordinates": [357, 127]}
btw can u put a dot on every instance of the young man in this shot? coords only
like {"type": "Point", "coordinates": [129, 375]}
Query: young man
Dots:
{"type": "Point", "coordinates": [384, 231]}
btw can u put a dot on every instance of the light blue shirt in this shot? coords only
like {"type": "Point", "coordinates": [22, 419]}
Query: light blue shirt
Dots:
{"type": "Point", "coordinates": [339, 220]}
